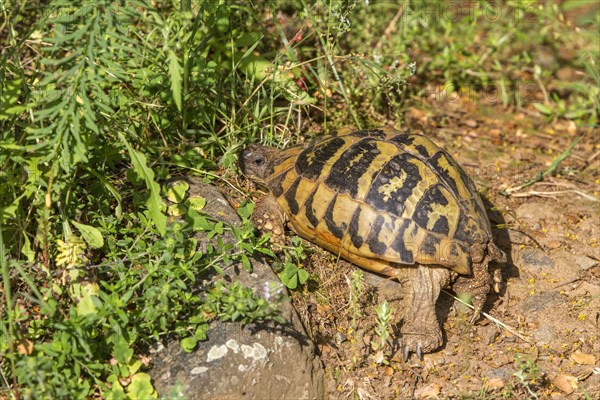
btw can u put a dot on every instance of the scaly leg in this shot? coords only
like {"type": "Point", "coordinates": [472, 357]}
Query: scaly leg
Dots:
{"type": "Point", "coordinates": [421, 332]}
{"type": "Point", "coordinates": [268, 217]}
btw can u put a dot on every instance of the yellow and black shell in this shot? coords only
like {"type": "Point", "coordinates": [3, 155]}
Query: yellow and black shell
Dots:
{"type": "Point", "coordinates": [381, 199]}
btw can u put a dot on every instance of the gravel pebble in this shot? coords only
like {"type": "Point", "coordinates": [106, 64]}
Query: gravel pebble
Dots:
{"type": "Point", "coordinates": [535, 259]}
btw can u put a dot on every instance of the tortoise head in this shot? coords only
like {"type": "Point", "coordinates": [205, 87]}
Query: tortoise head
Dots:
{"type": "Point", "coordinates": [257, 162]}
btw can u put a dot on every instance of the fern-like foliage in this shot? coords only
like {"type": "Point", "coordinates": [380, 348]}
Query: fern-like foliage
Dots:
{"type": "Point", "coordinates": [84, 62]}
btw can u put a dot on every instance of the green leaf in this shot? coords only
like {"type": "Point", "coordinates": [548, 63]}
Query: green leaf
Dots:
{"type": "Point", "coordinates": [10, 146]}
{"type": "Point", "coordinates": [9, 97]}
{"type": "Point", "coordinates": [122, 352]}
{"type": "Point", "coordinates": [188, 344]}
{"type": "Point", "coordinates": [176, 210]}
{"type": "Point", "coordinates": [111, 189]}
{"type": "Point", "coordinates": [289, 276]}
{"type": "Point", "coordinates": [246, 263]}
{"type": "Point", "coordinates": [84, 296]}
{"type": "Point", "coordinates": [175, 71]}
{"type": "Point", "coordinates": [292, 282]}
{"type": "Point", "coordinates": [26, 249]}
{"type": "Point", "coordinates": [248, 39]}
{"type": "Point", "coordinates": [302, 276]}
{"type": "Point", "coordinates": [134, 366]}
{"type": "Point", "coordinates": [91, 235]}
{"type": "Point", "coordinates": [177, 190]}
{"type": "Point", "coordinates": [255, 67]}
{"type": "Point", "coordinates": [117, 392]}
{"type": "Point", "coordinates": [543, 108]}
{"type": "Point", "coordinates": [201, 331]}
{"type": "Point", "coordinates": [141, 387]}
{"type": "Point", "coordinates": [155, 204]}
{"type": "Point", "coordinates": [9, 211]}
{"type": "Point", "coordinates": [197, 203]}
{"type": "Point", "coordinates": [245, 211]}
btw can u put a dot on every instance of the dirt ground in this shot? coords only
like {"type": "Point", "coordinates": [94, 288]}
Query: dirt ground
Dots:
{"type": "Point", "coordinates": [545, 343]}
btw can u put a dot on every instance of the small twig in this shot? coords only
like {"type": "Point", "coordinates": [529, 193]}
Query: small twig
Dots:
{"type": "Point", "coordinates": [213, 176]}
{"type": "Point", "coordinates": [482, 74]}
{"type": "Point", "coordinates": [593, 156]}
{"type": "Point", "coordinates": [417, 377]}
{"type": "Point", "coordinates": [391, 27]}
{"type": "Point", "coordinates": [496, 321]}
{"type": "Point", "coordinates": [586, 374]}
{"type": "Point", "coordinates": [567, 283]}
{"type": "Point", "coordinates": [540, 175]}
{"type": "Point", "coordinates": [539, 82]}
{"type": "Point", "coordinates": [552, 194]}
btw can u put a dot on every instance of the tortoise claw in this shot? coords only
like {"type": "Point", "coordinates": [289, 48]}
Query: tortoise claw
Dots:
{"type": "Point", "coordinates": [497, 280]}
{"type": "Point", "coordinates": [405, 353]}
{"type": "Point", "coordinates": [419, 351]}
{"type": "Point", "coordinates": [406, 350]}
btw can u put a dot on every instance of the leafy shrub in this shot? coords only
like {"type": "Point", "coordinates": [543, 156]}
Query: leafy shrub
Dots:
{"type": "Point", "coordinates": [101, 102]}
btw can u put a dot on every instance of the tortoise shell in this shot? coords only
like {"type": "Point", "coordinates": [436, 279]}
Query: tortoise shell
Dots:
{"type": "Point", "coordinates": [381, 199]}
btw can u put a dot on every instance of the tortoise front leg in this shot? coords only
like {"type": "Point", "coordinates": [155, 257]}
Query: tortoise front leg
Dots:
{"type": "Point", "coordinates": [268, 217]}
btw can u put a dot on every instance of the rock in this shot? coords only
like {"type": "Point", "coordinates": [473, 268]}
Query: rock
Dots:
{"type": "Point", "coordinates": [502, 373]}
{"type": "Point", "coordinates": [544, 335]}
{"type": "Point", "coordinates": [255, 361]}
{"type": "Point", "coordinates": [387, 289]}
{"type": "Point", "coordinates": [537, 212]}
{"type": "Point", "coordinates": [567, 266]}
{"type": "Point", "coordinates": [586, 288]}
{"type": "Point", "coordinates": [584, 262]}
{"type": "Point", "coordinates": [514, 236]}
{"type": "Point", "coordinates": [216, 206]}
{"type": "Point", "coordinates": [535, 259]}
{"type": "Point", "coordinates": [539, 302]}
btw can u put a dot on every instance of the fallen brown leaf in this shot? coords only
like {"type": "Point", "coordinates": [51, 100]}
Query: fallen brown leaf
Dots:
{"type": "Point", "coordinates": [325, 349]}
{"type": "Point", "coordinates": [430, 391]}
{"type": "Point", "coordinates": [471, 123]}
{"type": "Point", "coordinates": [565, 383]}
{"type": "Point", "coordinates": [323, 309]}
{"type": "Point", "coordinates": [583, 358]}
{"type": "Point", "coordinates": [553, 244]}
{"type": "Point", "coordinates": [417, 114]}
{"type": "Point", "coordinates": [494, 383]}
{"type": "Point", "coordinates": [25, 347]}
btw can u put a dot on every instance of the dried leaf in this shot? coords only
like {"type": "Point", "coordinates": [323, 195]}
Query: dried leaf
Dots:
{"type": "Point", "coordinates": [25, 347]}
{"type": "Point", "coordinates": [565, 383]}
{"type": "Point", "coordinates": [430, 391]}
{"type": "Point", "coordinates": [583, 358]}
{"type": "Point", "coordinates": [495, 383]}
{"type": "Point", "coordinates": [323, 309]}
{"type": "Point", "coordinates": [553, 244]}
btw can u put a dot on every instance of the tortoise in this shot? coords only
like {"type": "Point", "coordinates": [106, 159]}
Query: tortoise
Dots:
{"type": "Point", "coordinates": [390, 202]}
